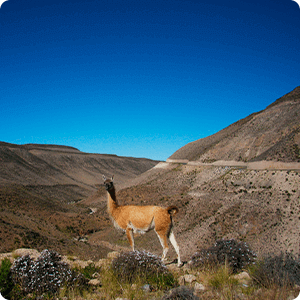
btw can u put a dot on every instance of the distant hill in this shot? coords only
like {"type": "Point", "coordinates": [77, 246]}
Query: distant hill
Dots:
{"type": "Point", "coordinates": [271, 134]}
{"type": "Point", "coordinates": [34, 164]}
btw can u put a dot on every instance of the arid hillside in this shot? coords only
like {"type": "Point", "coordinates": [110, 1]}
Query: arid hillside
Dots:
{"type": "Point", "coordinates": [42, 194]}
{"type": "Point", "coordinates": [241, 183]}
{"type": "Point", "coordinates": [52, 165]}
{"type": "Point", "coordinates": [260, 207]}
{"type": "Point", "coordinates": [271, 134]}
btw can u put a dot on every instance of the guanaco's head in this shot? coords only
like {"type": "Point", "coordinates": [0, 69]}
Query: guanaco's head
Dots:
{"type": "Point", "coordinates": [108, 183]}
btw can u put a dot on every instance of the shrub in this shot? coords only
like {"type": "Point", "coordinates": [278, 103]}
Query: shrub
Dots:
{"type": "Point", "coordinates": [132, 266]}
{"type": "Point", "coordinates": [238, 255]}
{"type": "Point", "coordinates": [88, 271]}
{"type": "Point", "coordinates": [180, 293]}
{"type": "Point", "coordinates": [281, 270]}
{"type": "Point", "coordinates": [45, 275]}
{"type": "Point", "coordinates": [205, 258]}
{"type": "Point", "coordinates": [20, 271]}
{"type": "Point", "coordinates": [6, 283]}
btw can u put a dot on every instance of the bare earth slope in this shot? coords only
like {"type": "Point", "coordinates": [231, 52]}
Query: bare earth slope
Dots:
{"type": "Point", "coordinates": [49, 198]}
{"type": "Point", "coordinates": [272, 134]}
{"type": "Point", "coordinates": [260, 207]}
{"type": "Point", "coordinates": [51, 165]}
{"type": "Point", "coordinates": [43, 189]}
{"type": "Point", "coordinates": [248, 189]}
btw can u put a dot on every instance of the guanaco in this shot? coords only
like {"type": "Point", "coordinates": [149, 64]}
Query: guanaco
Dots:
{"type": "Point", "coordinates": [141, 219]}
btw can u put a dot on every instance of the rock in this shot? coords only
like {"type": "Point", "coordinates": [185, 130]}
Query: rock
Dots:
{"type": "Point", "coordinates": [112, 255]}
{"type": "Point", "coordinates": [146, 288]}
{"type": "Point", "coordinates": [198, 287]}
{"type": "Point", "coordinates": [34, 254]}
{"type": "Point", "coordinates": [101, 263]}
{"type": "Point", "coordinates": [181, 280]}
{"type": "Point", "coordinates": [96, 275]}
{"type": "Point", "coordinates": [293, 297]}
{"type": "Point", "coordinates": [8, 256]}
{"type": "Point", "coordinates": [186, 279]}
{"type": "Point", "coordinates": [172, 267]}
{"type": "Point", "coordinates": [83, 239]}
{"type": "Point", "coordinates": [95, 282]}
{"type": "Point", "coordinates": [243, 277]}
{"type": "Point", "coordinates": [182, 292]}
{"type": "Point", "coordinates": [190, 278]}
{"type": "Point", "coordinates": [82, 263]}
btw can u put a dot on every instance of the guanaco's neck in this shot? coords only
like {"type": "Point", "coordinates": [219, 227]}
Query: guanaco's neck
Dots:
{"type": "Point", "coordinates": [112, 203]}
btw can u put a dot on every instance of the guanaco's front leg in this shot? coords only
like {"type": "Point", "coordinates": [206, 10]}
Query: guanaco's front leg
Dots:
{"type": "Point", "coordinates": [129, 233]}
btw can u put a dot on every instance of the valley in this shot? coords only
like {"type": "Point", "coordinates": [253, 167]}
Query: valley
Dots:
{"type": "Point", "coordinates": [241, 183]}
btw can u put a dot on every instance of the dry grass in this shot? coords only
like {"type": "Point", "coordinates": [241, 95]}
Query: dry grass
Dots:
{"type": "Point", "coordinates": [219, 284]}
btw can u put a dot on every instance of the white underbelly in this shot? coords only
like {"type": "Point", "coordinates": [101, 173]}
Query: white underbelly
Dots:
{"type": "Point", "coordinates": [141, 230]}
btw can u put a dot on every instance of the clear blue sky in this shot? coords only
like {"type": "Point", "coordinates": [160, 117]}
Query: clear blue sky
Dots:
{"type": "Point", "coordinates": [141, 78]}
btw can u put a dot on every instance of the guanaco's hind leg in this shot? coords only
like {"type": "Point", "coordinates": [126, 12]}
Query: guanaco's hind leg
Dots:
{"type": "Point", "coordinates": [129, 233]}
{"type": "Point", "coordinates": [176, 247]}
{"type": "Point", "coordinates": [164, 243]}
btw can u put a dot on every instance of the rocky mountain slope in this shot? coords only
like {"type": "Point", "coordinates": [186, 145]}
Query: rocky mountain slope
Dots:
{"type": "Point", "coordinates": [259, 207]}
{"type": "Point", "coordinates": [229, 199]}
{"type": "Point", "coordinates": [271, 134]}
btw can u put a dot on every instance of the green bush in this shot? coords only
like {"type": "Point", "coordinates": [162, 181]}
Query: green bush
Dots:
{"type": "Point", "coordinates": [281, 270]}
{"type": "Point", "coordinates": [6, 283]}
{"type": "Point", "coordinates": [142, 266]}
{"type": "Point", "coordinates": [238, 255]}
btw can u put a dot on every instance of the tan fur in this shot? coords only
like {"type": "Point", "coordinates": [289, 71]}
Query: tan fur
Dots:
{"type": "Point", "coordinates": [141, 219]}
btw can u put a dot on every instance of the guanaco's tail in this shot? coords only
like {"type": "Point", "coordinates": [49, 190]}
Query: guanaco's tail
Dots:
{"type": "Point", "coordinates": [172, 210]}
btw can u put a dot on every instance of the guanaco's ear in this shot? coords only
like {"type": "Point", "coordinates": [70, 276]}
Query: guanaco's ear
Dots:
{"type": "Point", "coordinates": [104, 177]}
{"type": "Point", "coordinates": [112, 177]}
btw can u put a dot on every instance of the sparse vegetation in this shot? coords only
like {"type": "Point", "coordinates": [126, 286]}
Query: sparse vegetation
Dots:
{"type": "Point", "coordinates": [6, 283]}
{"type": "Point", "coordinates": [224, 283]}
{"type": "Point", "coordinates": [46, 275]}
{"type": "Point", "coordinates": [89, 271]}
{"type": "Point", "coordinates": [280, 270]}
{"type": "Point", "coordinates": [144, 266]}
{"type": "Point", "coordinates": [141, 275]}
{"type": "Point", "coordinates": [237, 255]}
